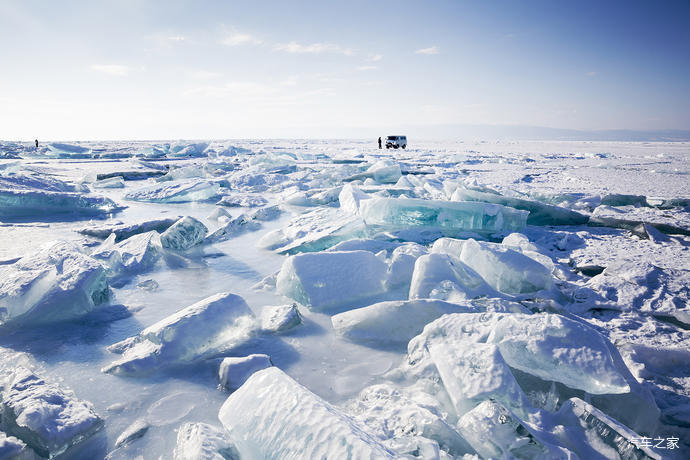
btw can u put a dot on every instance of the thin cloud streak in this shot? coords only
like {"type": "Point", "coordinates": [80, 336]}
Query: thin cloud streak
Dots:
{"type": "Point", "coordinates": [430, 50]}
{"type": "Point", "coordinates": [313, 48]}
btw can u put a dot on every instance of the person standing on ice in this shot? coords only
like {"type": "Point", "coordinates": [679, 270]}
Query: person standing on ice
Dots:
{"type": "Point", "coordinates": [379, 142]}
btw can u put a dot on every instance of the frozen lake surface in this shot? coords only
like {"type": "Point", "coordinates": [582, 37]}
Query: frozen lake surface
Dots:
{"type": "Point", "coordinates": [552, 277]}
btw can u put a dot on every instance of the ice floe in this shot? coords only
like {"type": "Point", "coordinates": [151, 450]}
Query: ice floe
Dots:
{"type": "Point", "coordinates": [203, 330]}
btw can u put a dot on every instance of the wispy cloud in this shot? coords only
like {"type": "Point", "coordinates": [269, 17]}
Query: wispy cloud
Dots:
{"type": "Point", "coordinates": [374, 57]}
{"type": "Point", "coordinates": [237, 39]}
{"type": "Point", "coordinates": [367, 67]}
{"type": "Point", "coordinates": [176, 38]}
{"type": "Point", "coordinates": [430, 50]}
{"type": "Point", "coordinates": [591, 74]}
{"type": "Point", "coordinates": [313, 48]}
{"type": "Point", "coordinates": [111, 69]}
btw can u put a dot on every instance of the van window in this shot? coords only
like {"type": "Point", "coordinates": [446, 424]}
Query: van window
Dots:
{"type": "Point", "coordinates": [392, 138]}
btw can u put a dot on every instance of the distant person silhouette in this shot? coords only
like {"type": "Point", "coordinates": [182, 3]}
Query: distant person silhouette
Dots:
{"type": "Point", "coordinates": [379, 143]}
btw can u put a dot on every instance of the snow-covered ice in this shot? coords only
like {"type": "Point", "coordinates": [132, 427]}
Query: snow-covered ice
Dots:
{"type": "Point", "coordinates": [205, 329]}
{"type": "Point", "coordinates": [55, 283]}
{"type": "Point", "coordinates": [272, 416]}
{"type": "Point", "coordinates": [455, 299]}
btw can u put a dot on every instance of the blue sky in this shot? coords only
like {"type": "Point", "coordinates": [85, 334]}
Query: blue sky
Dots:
{"type": "Point", "coordinates": [221, 69]}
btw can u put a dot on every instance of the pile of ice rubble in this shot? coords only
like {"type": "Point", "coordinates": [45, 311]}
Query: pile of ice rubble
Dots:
{"type": "Point", "coordinates": [506, 354]}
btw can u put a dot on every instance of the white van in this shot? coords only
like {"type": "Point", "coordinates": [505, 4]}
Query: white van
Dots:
{"type": "Point", "coordinates": [396, 141]}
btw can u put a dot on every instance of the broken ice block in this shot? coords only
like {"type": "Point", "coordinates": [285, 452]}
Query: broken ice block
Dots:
{"type": "Point", "coordinates": [402, 263]}
{"type": "Point", "coordinates": [600, 435]}
{"type": "Point", "coordinates": [136, 253]}
{"type": "Point", "coordinates": [214, 325]}
{"type": "Point", "coordinates": [111, 182]}
{"type": "Point", "coordinates": [431, 270]}
{"type": "Point", "coordinates": [184, 234]}
{"type": "Point", "coordinates": [393, 322]}
{"type": "Point", "coordinates": [233, 372]}
{"type": "Point", "coordinates": [201, 441]}
{"type": "Point", "coordinates": [505, 270]}
{"type": "Point", "coordinates": [280, 318]}
{"type": "Point", "coordinates": [125, 230]}
{"type": "Point", "coordinates": [473, 373]}
{"type": "Point", "coordinates": [12, 448]}
{"type": "Point", "coordinates": [314, 231]}
{"type": "Point", "coordinates": [133, 432]}
{"type": "Point", "coordinates": [539, 213]}
{"type": "Point", "coordinates": [393, 415]}
{"type": "Point", "coordinates": [326, 280]}
{"type": "Point", "coordinates": [27, 195]}
{"type": "Point", "coordinates": [272, 416]}
{"type": "Point", "coordinates": [449, 217]}
{"type": "Point", "coordinates": [234, 227]}
{"type": "Point", "coordinates": [53, 284]}
{"type": "Point", "coordinates": [50, 420]}
{"type": "Point", "coordinates": [494, 432]}
{"type": "Point", "coordinates": [176, 192]}
{"type": "Point", "coordinates": [556, 348]}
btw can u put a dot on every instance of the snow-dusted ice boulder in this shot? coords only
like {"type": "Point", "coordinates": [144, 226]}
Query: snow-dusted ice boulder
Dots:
{"type": "Point", "coordinates": [448, 217]}
{"type": "Point", "coordinates": [556, 348]}
{"type": "Point", "coordinates": [395, 417]}
{"type": "Point", "coordinates": [494, 432]}
{"type": "Point", "coordinates": [206, 329]}
{"type": "Point", "coordinates": [431, 270]}
{"type": "Point", "coordinates": [385, 172]}
{"type": "Point", "coordinates": [12, 448]}
{"type": "Point", "coordinates": [111, 182]}
{"type": "Point", "coordinates": [592, 434]}
{"type": "Point", "coordinates": [47, 418]}
{"type": "Point", "coordinates": [176, 192]}
{"type": "Point", "coordinates": [392, 322]}
{"type": "Point", "coordinates": [313, 231]}
{"type": "Point", "coordinates": [506, 270]}
{"type": "Point", "coordinates": [125, 230]}
{"type": "Point", "coordinates": [401, 267]}
{"type": "Point", "coordinates": [29, 195]}
{"type": "Point", "coordinates": [56, 283]}
{"type": "Point", "coordinates": [201, 441]}
{"type": "Point", "coordinates": [326, 280]}
{"type": "Point", "coordinates": [233, 372]}
{"type": "Point", "coordinates": [232, 228]}
{"type": "Point", "coordinates": [272, 416]}
{"type": "Point", "coordinates": [280, 318]}
{"type": "Point", "coordinates": [136, 253]}
{"type": "Point", "coordinates": [539, 213]}
{"type": "Point", "coordinates": [184, 234]}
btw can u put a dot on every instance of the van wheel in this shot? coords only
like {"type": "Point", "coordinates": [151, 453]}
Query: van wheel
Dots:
{"type": "Point", "coordinates": [395, 147]}
{"type": "Point", "coordinates": [404, 146]}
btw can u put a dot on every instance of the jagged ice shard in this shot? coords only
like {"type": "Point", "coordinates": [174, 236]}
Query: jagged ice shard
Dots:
{"type": "Point", "coordinates": [272, 416]}
{"type": "Point", "coordinates": [56, 283]}
{"type": "Point", "coordinates": [205, 329]}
